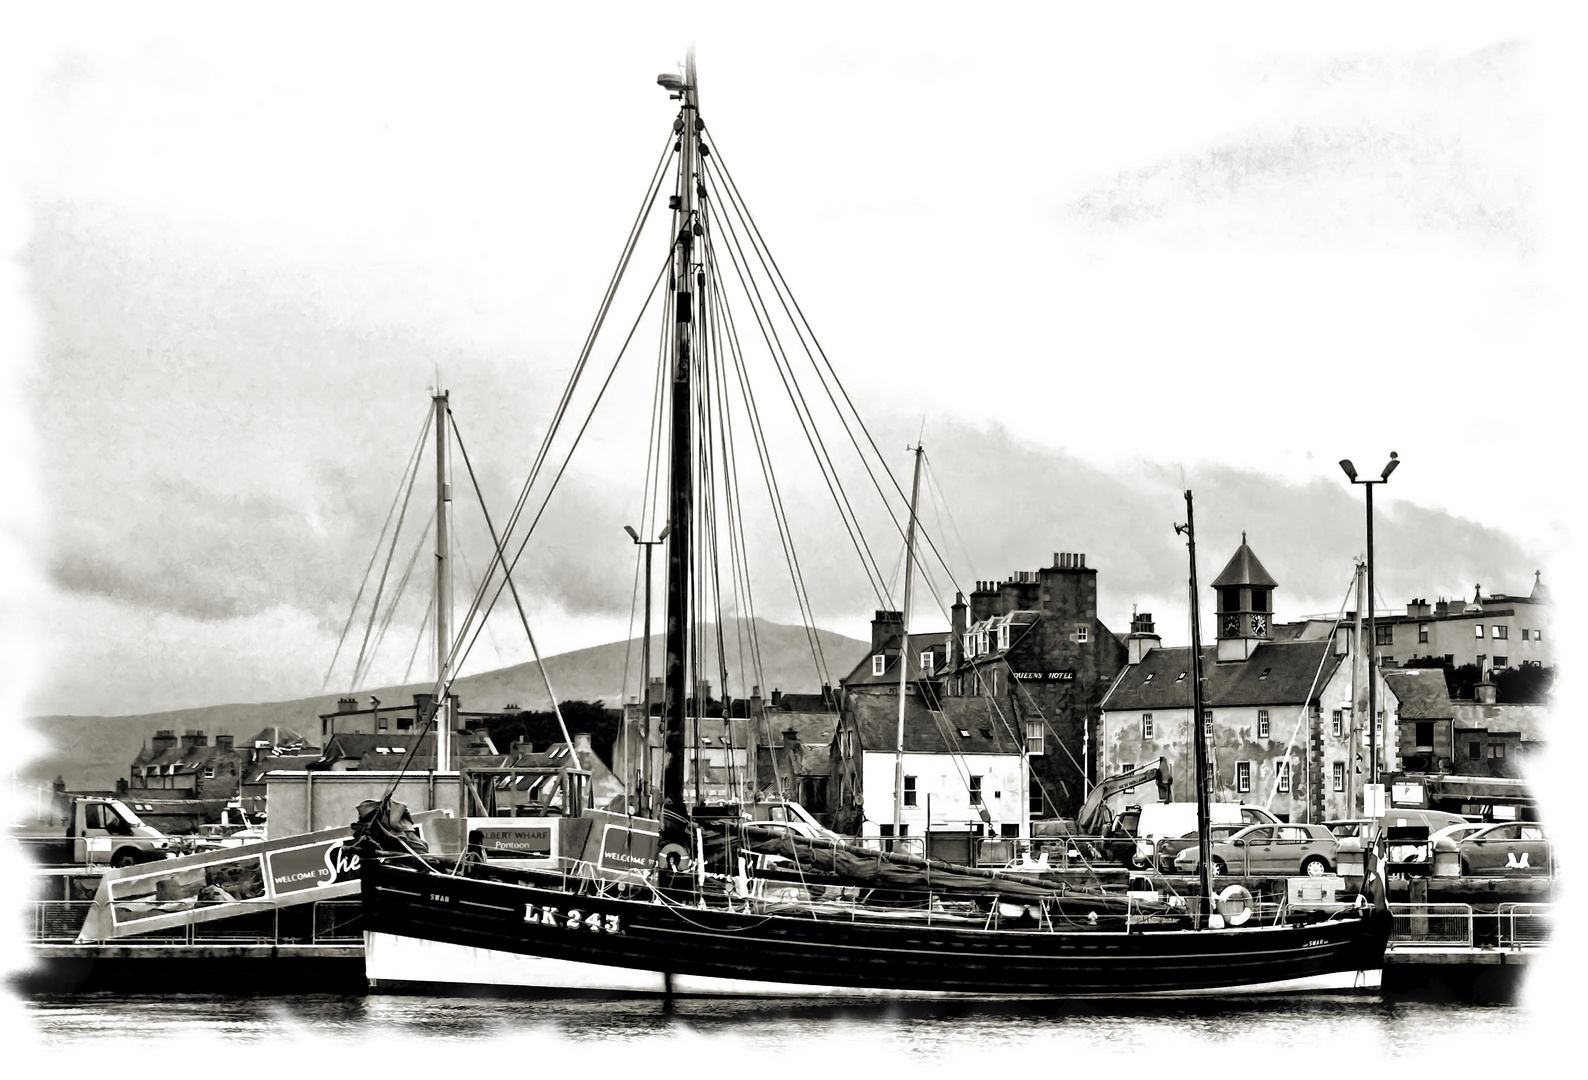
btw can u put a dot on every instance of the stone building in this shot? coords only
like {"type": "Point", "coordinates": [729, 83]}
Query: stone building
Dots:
{"type": "Point", "coordinates": [1279, 718]}
{"type": "Point", "coordinates": [1034, 647]}
{"type": "Point", "coordinates": [188, 767]}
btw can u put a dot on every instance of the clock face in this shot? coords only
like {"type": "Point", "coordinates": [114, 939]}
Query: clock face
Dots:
{"type": "Point", "coordinates": [1232, 625]}
{"type": "Point", "coordinates": [1259, 624]}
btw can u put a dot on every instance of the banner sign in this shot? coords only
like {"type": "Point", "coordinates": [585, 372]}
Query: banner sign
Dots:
{"type": "Point", "coordinates": [314, 867]}
{"type": "Point", "coordinates": [1067, 675]}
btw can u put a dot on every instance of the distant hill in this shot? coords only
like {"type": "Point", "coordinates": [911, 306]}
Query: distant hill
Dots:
{"type": "Point", "coordinates": [92, 752]}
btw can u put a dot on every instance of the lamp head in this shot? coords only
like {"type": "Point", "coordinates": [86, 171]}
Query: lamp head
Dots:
{"type": "Point", "coordinates": [1393, 461]}
{"type": "Point", "coordinates": [1350, 470]}
{"type": "Point", "coordinates": [671, 83]}
{"type": "Point", "coordinates": [665, 530]}
{"type": "Point", "coordinates": [632, 534]}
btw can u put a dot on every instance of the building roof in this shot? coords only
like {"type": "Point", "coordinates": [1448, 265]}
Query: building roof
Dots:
{"type": "Point", "coordinates": [1244, 569]}
{"type": "Point", "coordinates": [1422, 693]}
{"type": "Point", "coordinates": [175, 760]}
{"type": "Point", "coordinates": [1276, 673]}
{"type": "Point", "coordinates": [919, 643]}
{"type": "Point", "coordinates": [937, 730]}
{"type": "Point", "coordinates": [827, 704]}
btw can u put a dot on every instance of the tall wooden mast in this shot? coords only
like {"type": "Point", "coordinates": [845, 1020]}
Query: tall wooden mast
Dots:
{"type": "Point", "coordinates": [681, 450]}
{"type": "Point", "coordinates": [1199, 737]}
{"type": "Point", "coordinates": [904, 651]}
{"type": "Point", "coordinates": [443, 714]}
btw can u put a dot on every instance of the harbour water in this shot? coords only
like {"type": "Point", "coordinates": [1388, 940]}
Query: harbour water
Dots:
{"type": "Point", "coordinates": [1318, 1029]}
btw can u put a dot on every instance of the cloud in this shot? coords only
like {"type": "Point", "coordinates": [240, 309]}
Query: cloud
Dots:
{"type": "Point", "coordinates": [1382, 145]}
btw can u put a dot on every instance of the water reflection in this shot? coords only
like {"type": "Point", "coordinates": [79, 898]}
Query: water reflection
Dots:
{"type": "Point", "coordinates": [915, 1028]}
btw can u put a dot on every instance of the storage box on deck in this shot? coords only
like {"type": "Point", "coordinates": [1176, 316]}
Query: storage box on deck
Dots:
{"type": "Point", "coordinates": [1320, 893]}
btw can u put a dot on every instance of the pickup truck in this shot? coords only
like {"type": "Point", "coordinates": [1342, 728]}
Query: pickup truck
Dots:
{"type": "Point", "coordinates": [100, 831]}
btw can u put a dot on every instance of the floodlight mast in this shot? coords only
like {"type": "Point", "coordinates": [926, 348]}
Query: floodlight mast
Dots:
{"type": "Point", "coordinates": [1372, 623]}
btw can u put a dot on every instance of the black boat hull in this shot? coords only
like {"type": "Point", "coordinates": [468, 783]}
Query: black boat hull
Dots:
{"type": "Point", "coordinates": [436, 931]}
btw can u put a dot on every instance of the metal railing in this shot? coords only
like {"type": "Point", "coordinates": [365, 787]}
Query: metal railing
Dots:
{"type": "Point", "coordinates": [1432, 924]}
{"type": "Point", "coordinates": [1523, 925]}
{"type": "Point", "coordinates": [1510, 926]}
{"type": "Point", "coordinates": [327, 922]}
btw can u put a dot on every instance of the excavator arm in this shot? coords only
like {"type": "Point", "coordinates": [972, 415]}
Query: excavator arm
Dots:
{"type": "Point", "coordinates": [1093, 815]}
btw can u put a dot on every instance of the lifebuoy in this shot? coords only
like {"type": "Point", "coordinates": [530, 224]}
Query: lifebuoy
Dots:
{"type": "Point", "coordinates": [1235, 904]}
{"type": "Point", "coordinates": [675, 857]}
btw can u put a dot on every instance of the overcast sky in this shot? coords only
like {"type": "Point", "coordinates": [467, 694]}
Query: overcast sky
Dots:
{"type": "Point", "coordinates": [1089, 259]}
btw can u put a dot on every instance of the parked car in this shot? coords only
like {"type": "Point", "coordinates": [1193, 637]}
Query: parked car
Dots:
{"type": "Point", "coordinates": [1269, 849]}
{"type": "Point", "coordinates": [1509, 849]}
{"type": "Point", "coordinates": [1168, 849]}
{"type": "Point", "coordinates": [1456, 832]}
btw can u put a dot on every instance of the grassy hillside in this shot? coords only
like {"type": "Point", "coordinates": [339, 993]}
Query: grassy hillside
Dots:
{"type": "Point", "coordinates": [94, 751]}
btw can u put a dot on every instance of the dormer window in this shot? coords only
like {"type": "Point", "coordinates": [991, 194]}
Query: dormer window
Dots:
{"type": "Point", "coordinates": [1264, 675]}
{"type": "Point", "coordinates": [1003, 636]}
{"type": "Point", "coordinates": [879, 664]}
{"type": "Point", "coordinates": [926, 662]}
{"type": "Point", "coordinates": [1080, 634]}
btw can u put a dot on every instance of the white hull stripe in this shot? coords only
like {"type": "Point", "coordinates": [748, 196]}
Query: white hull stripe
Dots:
{"type": "Point", "coordinates": [392, 962]}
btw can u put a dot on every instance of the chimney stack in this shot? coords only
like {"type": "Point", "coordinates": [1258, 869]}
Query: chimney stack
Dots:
{"type": "Point", "coordinates": [346, 704]}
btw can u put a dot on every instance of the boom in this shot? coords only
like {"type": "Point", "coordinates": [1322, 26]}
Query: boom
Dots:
{"type": "Point", "coordinates": [1093, 814]}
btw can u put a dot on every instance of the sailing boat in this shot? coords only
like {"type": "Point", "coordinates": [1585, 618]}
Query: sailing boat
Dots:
{"type": "Point", "coordinates": [616, 918]}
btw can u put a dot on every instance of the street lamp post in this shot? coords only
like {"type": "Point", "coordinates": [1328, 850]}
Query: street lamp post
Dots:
{"type": "Point", "coordinates": [645, 678]}
{"type": "Point", "coordinates": [1372, 623]}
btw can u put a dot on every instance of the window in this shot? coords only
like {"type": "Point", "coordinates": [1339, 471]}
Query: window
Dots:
{"type": "Point", "coordinates": [1080, 634]}
{"type": "Point", "coordinates": [975, 791]}
{"type": "Point", "coordinates": [1146, 725]}
{"type": "Point", "coordinates": [1524, 633]}
{"type": "Point", "coordinates": [879, 664]}
{"type": "Point", "coordinates": [1501, 633]}
{"type": "Point", "coordinates": [382, 723]}
{"type": "Point", "coordinates": [1425, 734]}
{"type": "Point", "coordinates": [926, 663]}
{"type": "Point", "coordinates": [1243, 776]}
{"type": "Point", "coordinates": [1497, 750]}
{"type": "Point", "coordinates": [1337, 724]}
{"type": "Point", "coordinates": [1384, 633]}
{"type": "Point", "coordinates": [1037, 809]}
{"type": "Point", "coordinates": [1538, 635]}
{"type": "Point", "coordinates": [1475, 750]}
{"type": "Point", "coordinates": [1282, 773]}
{"type": "Point", "coordinates": [1422, 633]}
{"type": "Point", "coordinates": [1003, 636]}
{"type": "Point", "coordinates": [1259, 600]}
{"type": "Point", "coordinates": [1036, 744]}
{"type": "Point", "coordinates": [1230, 598]}
{"type": "Point", "coordinates": [405, 723]}
{"type": "Point", "coordinates": [1450, 658]}
{"type": "Point", "coordinates": [1262, 723]}
{"type": "Point", "coordinates": [1009, 832]}
{"type": "Point", "coordinates": [1339, 776]}
{"type": "Point", "coordinates": [209, 772]}
{"type": "Point", "coordinates": [1477, 630]}
{"type": "Point", "coordinates": [1128, 766]}
{"type": "Point", "coordinates": [1502, 661]}
{"type": "Point", "coordinates": [909, 791]}
{"type": "Point", "coordinates": [1207, 722]}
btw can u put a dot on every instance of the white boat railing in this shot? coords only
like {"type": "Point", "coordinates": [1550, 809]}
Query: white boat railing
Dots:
{"type": "Point", "coordinates": [330, 922]}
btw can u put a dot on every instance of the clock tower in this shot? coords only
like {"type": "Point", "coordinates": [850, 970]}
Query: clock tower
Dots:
{"type": "Point", "coordinates": [1244, 601]}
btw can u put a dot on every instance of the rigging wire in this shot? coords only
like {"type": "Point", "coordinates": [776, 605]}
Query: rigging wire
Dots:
{"type": "Point", "coordinates": [411, 466]}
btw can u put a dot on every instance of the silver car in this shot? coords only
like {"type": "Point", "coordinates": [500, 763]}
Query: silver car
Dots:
{"type": "Point", "coordinates": [1269, 849]}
